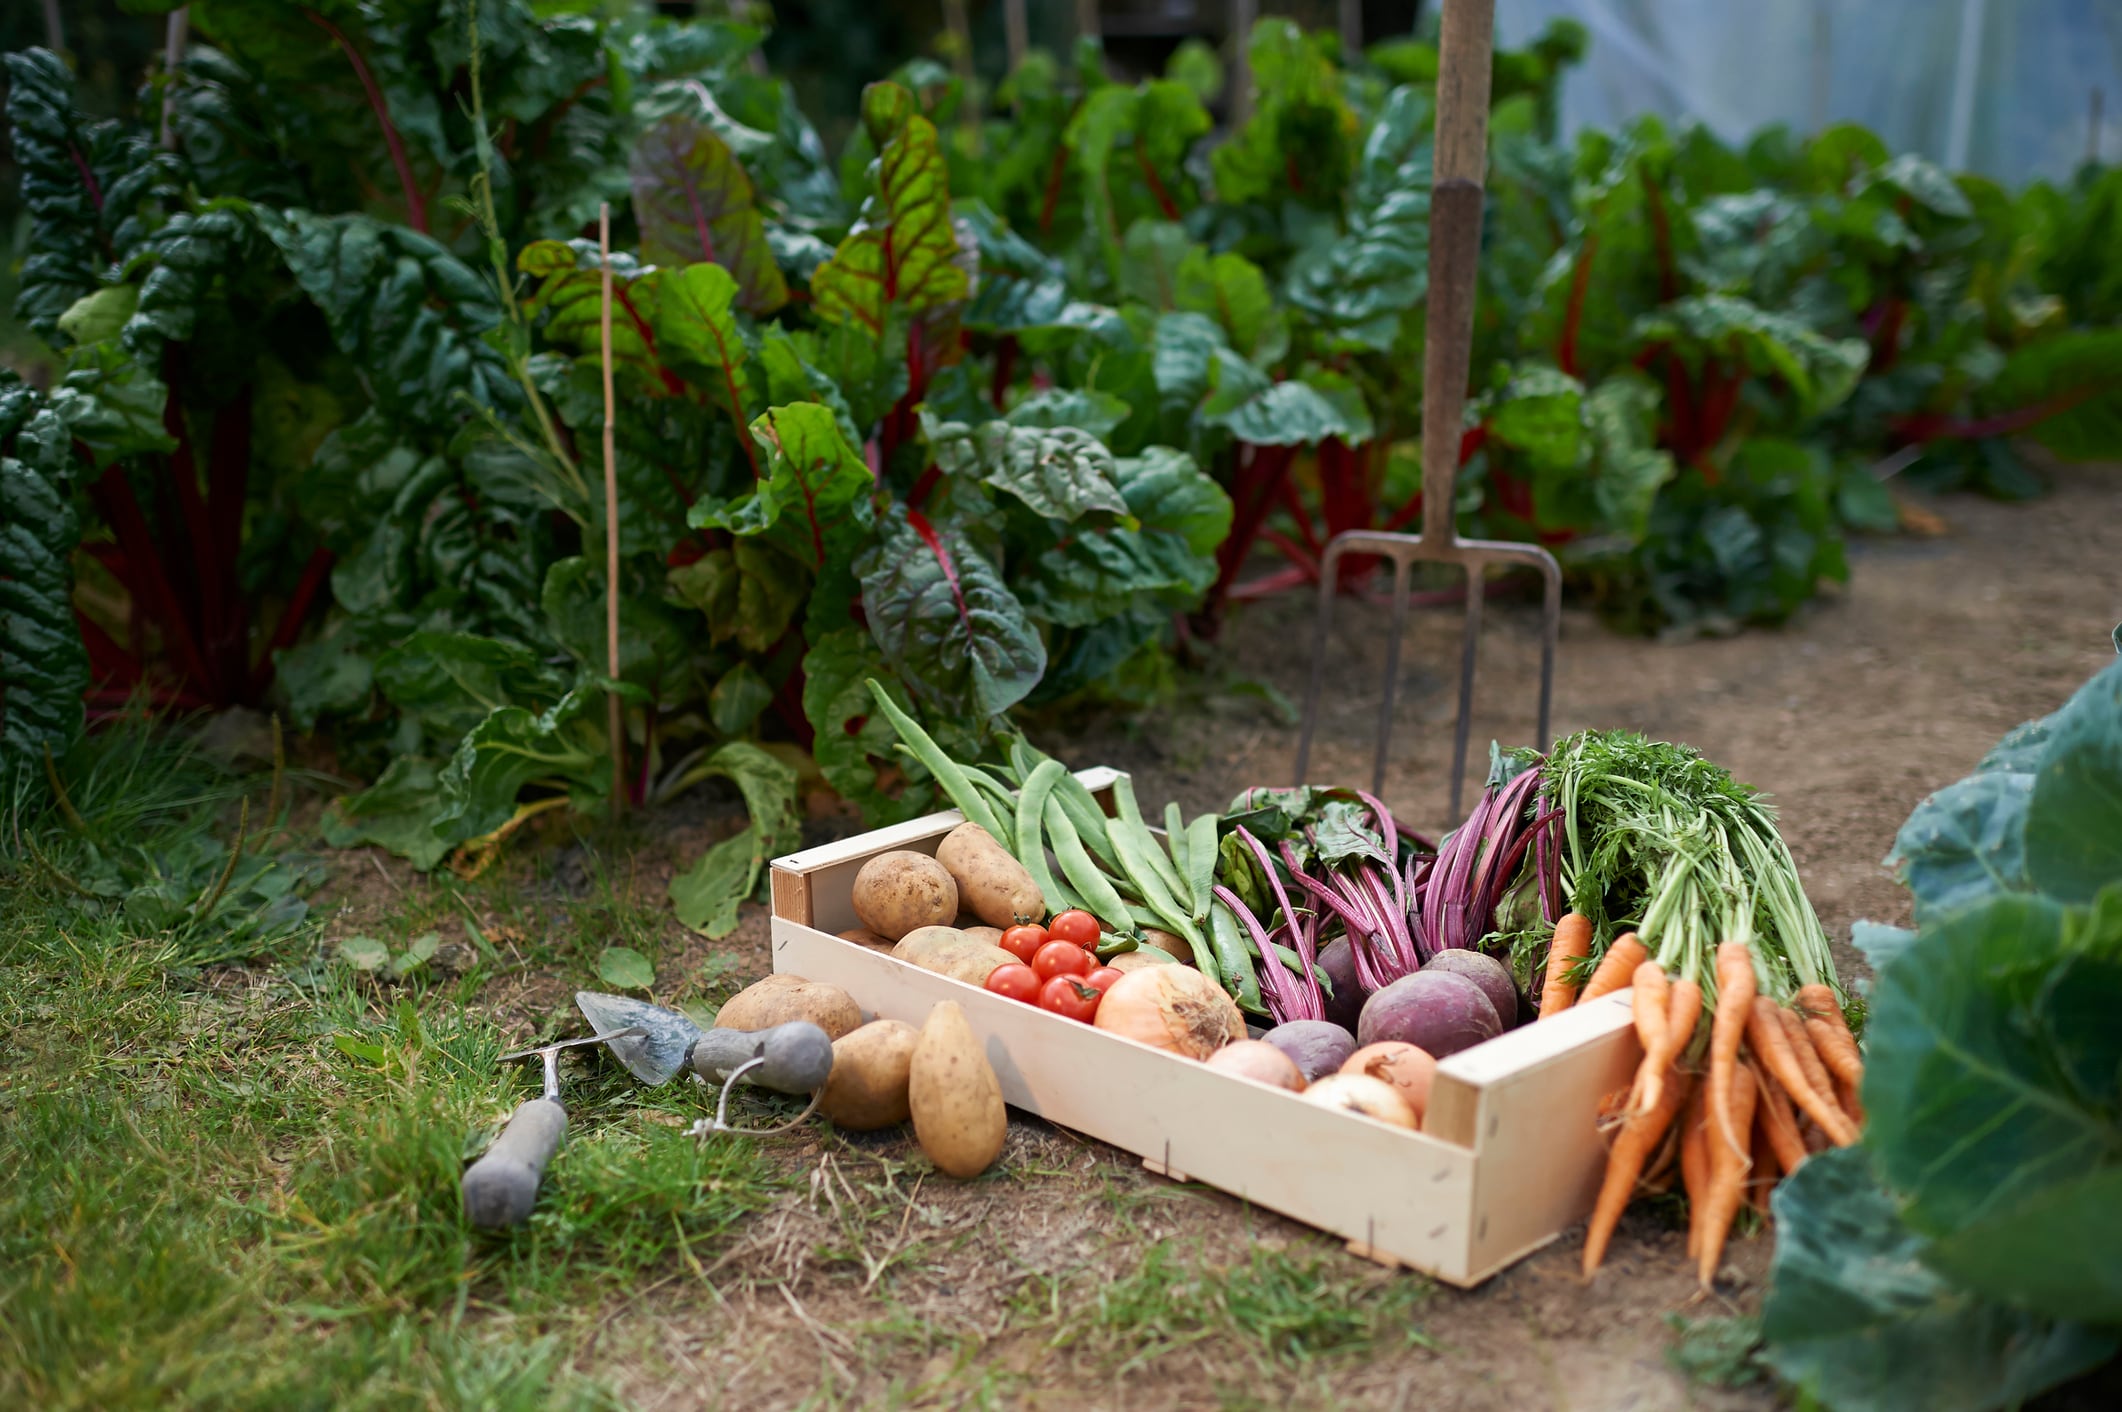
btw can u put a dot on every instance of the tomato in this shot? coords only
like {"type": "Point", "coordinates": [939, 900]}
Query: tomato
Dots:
{"type": "Point", "coordinates": [1062, 958]}
{"type": "Point", "coordinates": [1070, 998]}
{"type": "Point", "coordinates": [1075, 926]}
{"type": "Point", "coordinates": [1016, 981]}
{"type": "Point", "coordinates": [1102, 978]}
{"type": "Point", "coordinates": [1024, 942]}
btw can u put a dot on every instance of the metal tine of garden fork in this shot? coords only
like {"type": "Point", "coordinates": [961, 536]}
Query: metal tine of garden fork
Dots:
{"type": "Point", "coordinates": [1456, 197]}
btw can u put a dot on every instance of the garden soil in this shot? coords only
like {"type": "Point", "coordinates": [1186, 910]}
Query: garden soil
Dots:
{"type": "Point", "coordinates": [869, 1284]}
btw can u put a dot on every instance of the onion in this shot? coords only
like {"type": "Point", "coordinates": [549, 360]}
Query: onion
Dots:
{"type": "Point", "coordinates": [1407, 1067]}
{"type": "Point", "coordinates": [1173, 1008]}
{"type": "Point", "coordinates": [1259, 1061]}
{"type": "Point", "coordinates": [1359, 1093]}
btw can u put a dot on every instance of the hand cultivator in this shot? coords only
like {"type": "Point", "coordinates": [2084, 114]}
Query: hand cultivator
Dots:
{"type": "Point", "coordinates": [1454, 257]}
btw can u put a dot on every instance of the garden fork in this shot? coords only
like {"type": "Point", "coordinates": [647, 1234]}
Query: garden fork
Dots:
{"type": "Point", "coordinates": [1454, 265]}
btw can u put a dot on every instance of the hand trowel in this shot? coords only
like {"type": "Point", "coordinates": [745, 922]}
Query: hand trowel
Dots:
{"type": "Point", "coordinates": [793, 1058]}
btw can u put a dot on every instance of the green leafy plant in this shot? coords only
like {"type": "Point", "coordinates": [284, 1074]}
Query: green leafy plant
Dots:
{"type": "Point", "coordinates": [1963, 1256]}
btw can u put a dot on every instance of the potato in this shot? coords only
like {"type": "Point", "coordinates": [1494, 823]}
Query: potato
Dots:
{"type": "Point", "coordinates": [1140, 957]}
{"type": "Point", "coordinates": [992, 884]}
{"type": "Point", "coordinates": [956, 1101]}
{"type": "Point", "coordinates": [867, 1089]}
{"type": "Point", "coordinates": [991, 935]}
{"type": "Point", "coordinates": [898, 891]}
{"type": "Point", "coordinates": [950, 952]}
{"type": "Point", "coordinates": [863, 936]}
{"type": "Point", "coordinates": [779, 999]}
{"type": "Point", "coordinates": [1172, 946]}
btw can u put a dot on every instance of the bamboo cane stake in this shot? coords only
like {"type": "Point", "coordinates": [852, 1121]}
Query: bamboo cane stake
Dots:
{"type": "Point", "coordinates": [614, 718]}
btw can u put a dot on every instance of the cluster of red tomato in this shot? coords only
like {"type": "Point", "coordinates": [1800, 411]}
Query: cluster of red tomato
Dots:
{"type": "Point", "coordinates": [1056, 967]}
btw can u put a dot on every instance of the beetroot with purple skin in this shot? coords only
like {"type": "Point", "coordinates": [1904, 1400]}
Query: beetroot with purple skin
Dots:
{"type": "Point", "coordinates": [1437, 1011]}
{"type": "Point", "coordinates": [1338, 959]}
{"type": "Point", "coordinates": [1319, 1046]}
{"type": "Point", "coordinates": [1484, 971]}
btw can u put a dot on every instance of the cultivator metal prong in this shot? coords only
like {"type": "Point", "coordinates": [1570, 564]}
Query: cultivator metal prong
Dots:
{"type": "Point", "coordinates": [1454, 255]}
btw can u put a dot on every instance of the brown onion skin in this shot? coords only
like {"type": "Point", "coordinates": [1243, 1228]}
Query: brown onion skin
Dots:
{"type": "Point", "coordinates": [1173, 1008]}
{"type": "Point", "coordinates": [1359, 1093]}
{"type": "Point", "coordinates": [1260, 1061]}
{"type": "Point", "coordinates": [1407, 1067]}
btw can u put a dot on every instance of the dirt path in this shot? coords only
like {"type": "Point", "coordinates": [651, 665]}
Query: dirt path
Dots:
{"type": "Point", "coordinates": [1039, 1286]}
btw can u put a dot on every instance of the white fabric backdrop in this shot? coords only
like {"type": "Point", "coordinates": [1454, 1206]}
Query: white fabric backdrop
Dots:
{"type": "Point", "coordinates": [2013, 101]}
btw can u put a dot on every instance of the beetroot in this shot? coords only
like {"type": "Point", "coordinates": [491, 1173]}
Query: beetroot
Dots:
{"type": "Point", "coordinates": [1486, 972]}
{"type": "Point", "coordinates": [1433, 1010]}
{"type": "Point", "coordinates": [1338, 959]}
{"type": "Point", "coordinates": [1319, 1046]}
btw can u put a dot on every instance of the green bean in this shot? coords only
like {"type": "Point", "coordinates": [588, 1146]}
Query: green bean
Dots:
{"type": "Point", "coordinates": [1081, 872]}
{"type": "Point", "coordinates": [1136, 849]}
{"type": "Point", "coordinates": [1110, 945]}
{"type": "Point", "coordinates": [1145, 843]}
{"type": "Point", "coordinates": [1201, 852]}
{"type": "Point", "coordinates": [952, 779]}
{"type": "Point", "coordinates": [1090, 821]}
{"type": "Point", "coordinates": [1175, 839]}
{"type": "Point", "coordinates": [1031, 837]}
{"type": "Point", "coordinates": [1233, 958]}
{"type": "Point", "coordinates": [1023, 758]}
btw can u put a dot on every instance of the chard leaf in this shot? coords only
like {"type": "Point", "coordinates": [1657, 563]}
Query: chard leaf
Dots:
{"type": "Point", "coordinates": [697, 331]}
{"type": "Point", "coordinates": [902, 256]}
{"type": "Point", "coordinates": [707, 895]}
{"type": "Point", "coordinates": [515, 746]}
{"type": "Point", "coordinates": [814, 480]}
{"type": "Point", "coordinates": [398, 811]}
{"type": "Point", "coordinates": [409, 313]}
{"type": "Point", "coordinates": [1298, 412]}
{"type": "Point", "coordinates": [42, 659]}
{"type": "Point", "coordinates": [1856, 1317]}
{"type": "Point", "coordinates": [1097, 414]}
{"type": "Point", "coordinates": [2072, 383]}
{"type": "Point", "coordinates": [1366, 281]}
{"type": "Point", "coordinates": [569, 294]}
{"type": "Point", "coordinates": [654, 644]}
{"type": "Point", "coordinates": [853, 741]}
{"type": "Point", "coordinates": [1231, 290]}
{"type": "Point", "coordinates": [1155, 252]}
{"type": "Point", "coordinates": [1020, 286]}
{"type": "Point", "coordinates": [1819, 371]}
{"type": "Point", "coordinates": [1093, 573]}
{"type": "Point", "coordinates": [749, 592]}
{"type": "Point", "coordinates": [1061, 473]}
{"type": "Point", "coordinates": [693, 203]}
{"type": "Point", "coordinates": [623, 968]}
{"type": "Point", "coordinates": [946, 622]}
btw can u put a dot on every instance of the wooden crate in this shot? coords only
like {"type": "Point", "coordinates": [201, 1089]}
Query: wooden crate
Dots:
{"type": "Point", "coordinates": [1507, 1158]}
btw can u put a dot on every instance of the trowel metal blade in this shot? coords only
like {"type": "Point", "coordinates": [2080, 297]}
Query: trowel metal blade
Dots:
{"type": "Point", "coordinates": [666, 1036]}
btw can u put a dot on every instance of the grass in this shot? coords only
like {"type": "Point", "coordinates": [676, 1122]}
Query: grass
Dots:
{"type": "Point", "coordinates": [235, 1186]}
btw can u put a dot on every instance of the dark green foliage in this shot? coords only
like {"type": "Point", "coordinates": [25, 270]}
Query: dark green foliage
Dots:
{"type": "Point", "coordinates": [1965, 1255]}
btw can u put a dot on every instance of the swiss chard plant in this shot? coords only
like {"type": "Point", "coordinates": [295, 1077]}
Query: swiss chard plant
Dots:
{"type": "Point", "coordinates": [1965, 1255]}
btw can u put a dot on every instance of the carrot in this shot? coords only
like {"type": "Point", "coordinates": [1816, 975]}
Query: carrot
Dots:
{"type": "Point", "coordinates": [1801, 1046]}
{"type": "Point", "coordinates": [1772, 1107]}
{"type": "Point", "coordinates": [1851, 1100]}
{"type": "Point", "coordinates": [1682, 1011]}
{"type": "Point", "coordinates": [1761, 1180]}
{"type": "Point", "coordinates": [1831, 1036]}
{"type": "Point", "coordinates": [1571, 943]}
{"type": "Point", "coordinates": [1727, 1180]}
{"type": "Point", "coordinates": [1637, 1139]}
{"type": "Point", "coordinates": [1815, 1140]}
{"type": "Point", "coordinates": [1735, 999]}
{"type": "Point", "coordinates": [1771, 1044]}
{"type": "Point", "coordinates": [1694, 1162]}
{"type": "Point", "coordinates": [1649, 998]}
{"type": "Point", "coordinates": [1616, 967]}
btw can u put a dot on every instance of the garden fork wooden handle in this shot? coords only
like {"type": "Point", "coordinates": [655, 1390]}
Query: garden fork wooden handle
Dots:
{"type": "Point", "coordinates": [1454, 251]}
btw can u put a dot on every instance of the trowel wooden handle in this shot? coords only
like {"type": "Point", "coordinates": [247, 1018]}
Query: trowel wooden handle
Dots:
{"type": "Point", "coordinates": [502, 1186]}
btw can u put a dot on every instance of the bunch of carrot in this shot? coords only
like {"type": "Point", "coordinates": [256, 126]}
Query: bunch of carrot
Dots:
{"type": "Point", "coordinates": [1735, 1091]}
